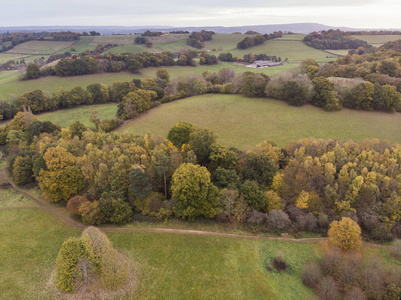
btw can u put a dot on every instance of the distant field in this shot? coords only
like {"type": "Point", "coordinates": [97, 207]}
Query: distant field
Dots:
{"type": "Point", "coordinates": [40, 47]}
{"type": "Point", "coordinates": [294, 50]}
{"type": "Point", "coordinates": [82, 113]}
{"type": "Point", "coordinates": [169, 42]}
{"type": "Point", "coordinates": [292, 37]}
{"type": "Point", "coordinates": [378, 39]}
{"type": "Point", "coordinates": [244, 122]}
{"type": "Point", "coordinates": [5, 57]}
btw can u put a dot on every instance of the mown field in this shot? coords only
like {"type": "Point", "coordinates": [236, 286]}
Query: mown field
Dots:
{"type": "Point", "coordinates": [40, 47]}
{"type": "Point", "coordinates": [377, 39]}
{"type": "Point", "coordinates": [244, 122]}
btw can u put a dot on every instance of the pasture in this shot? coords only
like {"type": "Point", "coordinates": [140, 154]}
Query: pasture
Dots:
{"type": "Point", "coordinates": [377, 40]}
{"type": "Point", "coordinates": [245, 122]}
{"type": "Point", "coordinates": [40, 47]}
{"type": "Point", "coordinates": [82, 114]}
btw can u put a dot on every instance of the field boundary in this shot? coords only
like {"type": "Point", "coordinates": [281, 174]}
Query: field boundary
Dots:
{"type": "Point", "coordinates": [43, 205]}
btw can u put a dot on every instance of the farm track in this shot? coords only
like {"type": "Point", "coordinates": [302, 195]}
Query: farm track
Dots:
{"type": "Point", "coordinates": [43, 205]}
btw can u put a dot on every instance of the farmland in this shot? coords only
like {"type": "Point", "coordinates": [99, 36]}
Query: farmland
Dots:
{"type": "Point", "coordinates": [377, 40]}
{"type": "Point", "coordinates": [40, 47]}
{"type": "Point", "coordinates": [244, 122]}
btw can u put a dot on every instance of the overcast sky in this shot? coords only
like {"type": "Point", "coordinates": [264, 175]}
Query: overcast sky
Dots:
{"type": "Point", "coordinates": [351, 13]}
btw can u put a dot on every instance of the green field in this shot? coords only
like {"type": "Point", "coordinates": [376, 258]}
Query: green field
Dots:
{"type": "Point", "coordinates": [40, 47]}
{"type": "Point", "coordinates": [244, 122]}
{"type": "Point", "coordinates": [337, 52]}
{"type": "Point", "coordinates": [377, 39]}
{"type": "Point", "coordinates": [67, 116]}
{"type": "Point", "coordinates": [292, 37]}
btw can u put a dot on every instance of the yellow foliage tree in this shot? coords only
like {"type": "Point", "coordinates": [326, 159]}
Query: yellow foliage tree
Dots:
{"type": "Point", "coordinates": [62, 179]}
{"type": "Point", "coordinates": [302, 201]}
{"type": "Point", "coordinates": [345, 234]}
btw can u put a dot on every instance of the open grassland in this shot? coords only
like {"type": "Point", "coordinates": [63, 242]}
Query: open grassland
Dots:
{"type": "Point", "coordinates": [337, 52]}
{"type": "Point", "coordinates": [67, 116]}
{"type": "Point", "coordinates": [84, 43]}
{"type": "Point", "coordinates": [10, 198]}
{"type": "Point", "coordinates": [40, 47]}
{"type": "Point", "coordinates": [168, 42]}
{"type": "Point", "coordinates": [244, 122]}
{"type": "Point", "coordinates": [225, 42]}
{"type": "Point", "coordinates": [5, 57]}
{"type": "Point", "coordinates": [292, 37]}
{"type": "Point", "coordinates": [294, 50]}
{"type": "Point", "coordinates": [377, 39]}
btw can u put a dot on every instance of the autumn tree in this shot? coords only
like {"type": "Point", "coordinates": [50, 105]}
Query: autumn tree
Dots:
{"type": "Point", "coordinates": [201, 141]}
{"type": "Point", "coordinates": [193, 192]}
{"type": "Point", "coordinates": [62, 179]}
{"type": "Point", "coordinates": [32, 71]}
{"type": "Point", "coordinates": [179, 134]}
{"type": "Point", "coordinates": [345, 234]}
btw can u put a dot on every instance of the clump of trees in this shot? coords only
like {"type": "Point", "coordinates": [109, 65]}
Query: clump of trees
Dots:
{"type": "Point", "coordinates": [348, 276]}
{"type": "Point", "coordinates": [90, 261]}
{"type": "Point", "coordinates": [197, 39]}
{"type": "Point", "coordinates": [257, 40]}
{"type": "Point", "coordinates": [333, 40]}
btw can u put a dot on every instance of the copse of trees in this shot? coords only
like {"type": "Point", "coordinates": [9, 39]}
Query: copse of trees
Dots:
{"type": "Point", "coordinates": [258, 40]}
{"type": "Point", "coordinates": [334, 40]}
{"type": "Point", "coordinates": [197, 39]}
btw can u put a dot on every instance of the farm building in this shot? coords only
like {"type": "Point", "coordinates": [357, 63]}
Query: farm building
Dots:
{"type": "Point", "coordinates": [264, 64]}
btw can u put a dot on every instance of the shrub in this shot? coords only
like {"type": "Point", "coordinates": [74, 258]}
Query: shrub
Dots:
{"type": "Point", "coordinates": [257, 217]}
{"type": "Point", "coordinates": [278, 219]}
{"type": "Point", "coordinates": [311, 274]}
{"type": "Point", "coordinates": [307, 222]}
{"type": "Point", "coordinates": [345, 234]}
{"type": "Point", "coordinates": [328, 289]}
{"type": "Point", "coordinates": [279, 263]}
{"type": "Point", "coordinates": [91, 213]}
{"type": "Point", "coordinates": [355, 294]}
{"type": "Point", "coordinates": [397, 248]}
{"type": "Point", "coordinates": [372, 282]}
{"type": "Point", "coordinates": [75, 203]}
{"type": "Point", "coordinates": [381, 233]}
{"type": "Point", "coordinates": [90, 260]}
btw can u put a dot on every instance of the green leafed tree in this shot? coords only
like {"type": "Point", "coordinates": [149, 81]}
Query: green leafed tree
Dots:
{"type": "Point", "coordinates": [193, 192]}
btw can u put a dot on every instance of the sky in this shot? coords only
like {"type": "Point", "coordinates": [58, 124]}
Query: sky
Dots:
{"type": "Point", "coordinates": [350, 13]}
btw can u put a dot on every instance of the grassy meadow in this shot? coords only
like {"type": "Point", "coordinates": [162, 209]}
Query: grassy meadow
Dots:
{"type": "Point", "coordinates": [244, 122]}
{"type": "Point", "coordinates": [40, 47]}
{"type": "Point", "coordinates": [377, 39]}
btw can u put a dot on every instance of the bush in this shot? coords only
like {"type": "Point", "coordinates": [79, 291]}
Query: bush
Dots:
{"type": "Point", "coordinates": [345, 234]}
{"type": "Point", "coordinates": [307, 222]}
{"type": "Point", "coordinates": [75, 203]}
{"type": "Point", "coordinates": [278, 219]}
{"type": "Point", "coordinates": [311, 274]}
{"type": "Point", "coordinates": [328, 289]}
{"type": "Point", "coordinates": [91, 213]}
{"type": "Point", "coordinates": [279, 263]}
{"type": "Point", "coordinates": [89, 261]}
{"type": "Point", "coordinates": [381, 233]}
{"type": "Point", "coordinates": [355, 294]}
{"type": "Point", "coordinates": [257, 218]}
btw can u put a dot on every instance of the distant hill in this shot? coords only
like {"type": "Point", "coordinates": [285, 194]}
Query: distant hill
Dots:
{"type": "Point", "coordinates": [108, 30]}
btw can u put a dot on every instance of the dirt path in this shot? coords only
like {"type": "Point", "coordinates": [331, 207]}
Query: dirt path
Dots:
{"type": "Point", "coordinates": [43, 205]}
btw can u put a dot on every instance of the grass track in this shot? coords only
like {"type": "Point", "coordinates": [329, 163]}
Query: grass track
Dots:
{"type": "Point", "coordinates": [244, 122]}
